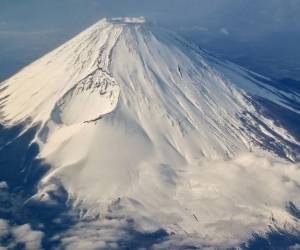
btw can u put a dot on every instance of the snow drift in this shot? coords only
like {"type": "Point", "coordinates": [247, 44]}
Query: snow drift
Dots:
{"type": "Point", "coordinates": [138, 123]}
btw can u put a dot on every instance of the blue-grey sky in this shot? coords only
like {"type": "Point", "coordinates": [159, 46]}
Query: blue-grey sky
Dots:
{"type": "Point", "coordinates": [30, 28]}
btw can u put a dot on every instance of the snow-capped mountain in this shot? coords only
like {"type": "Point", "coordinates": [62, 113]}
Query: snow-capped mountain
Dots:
{"type": "Point", "coordinates": [138, 123]}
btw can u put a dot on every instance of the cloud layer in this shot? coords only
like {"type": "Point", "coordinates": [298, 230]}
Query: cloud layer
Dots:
{"type": "Point", "coordinates": [21, 234]}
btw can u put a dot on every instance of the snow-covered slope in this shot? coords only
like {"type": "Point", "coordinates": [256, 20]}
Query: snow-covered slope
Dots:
{"type": "Point", "coordinates": [137, 122]}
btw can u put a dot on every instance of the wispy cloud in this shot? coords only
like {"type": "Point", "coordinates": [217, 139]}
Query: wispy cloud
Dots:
{"type": "Point", "coordinates": [24, 234]}
{"type": "Point", "coordinates": [25, 34]}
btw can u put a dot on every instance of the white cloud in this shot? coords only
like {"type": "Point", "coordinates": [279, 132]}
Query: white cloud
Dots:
{"type": "Point", "coordinates": [217, 203]}
{"type": "Point", "coordinates": [294, 247]}
{"type": "Point", "coordinates": [224, 31]}
{"type": "Point", "coordinates": [3, 185]}
{"type": "Point", "coordinates": [4, 228]}
{"type": "Point", "coordinates": [31, 238]}
{"type": "Point", "coordinates": [96, 234]}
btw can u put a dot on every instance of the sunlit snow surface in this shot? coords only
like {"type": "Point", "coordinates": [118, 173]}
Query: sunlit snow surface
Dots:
{"type": "Point", "coordinates": [153, 143]}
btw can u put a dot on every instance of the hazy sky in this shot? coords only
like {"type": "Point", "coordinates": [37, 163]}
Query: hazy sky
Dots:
{"type": "Point", "coordinates": [62, 14]}
{"type": "Point", "coordinates": [30, 28]}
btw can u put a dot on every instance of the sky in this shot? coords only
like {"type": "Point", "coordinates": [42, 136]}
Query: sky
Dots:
{"type": "Point", "coordinates": [245, 31]}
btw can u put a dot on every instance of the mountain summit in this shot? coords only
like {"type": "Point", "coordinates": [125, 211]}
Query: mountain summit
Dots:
{"type": "Point", "coordinates": [135, 121]}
